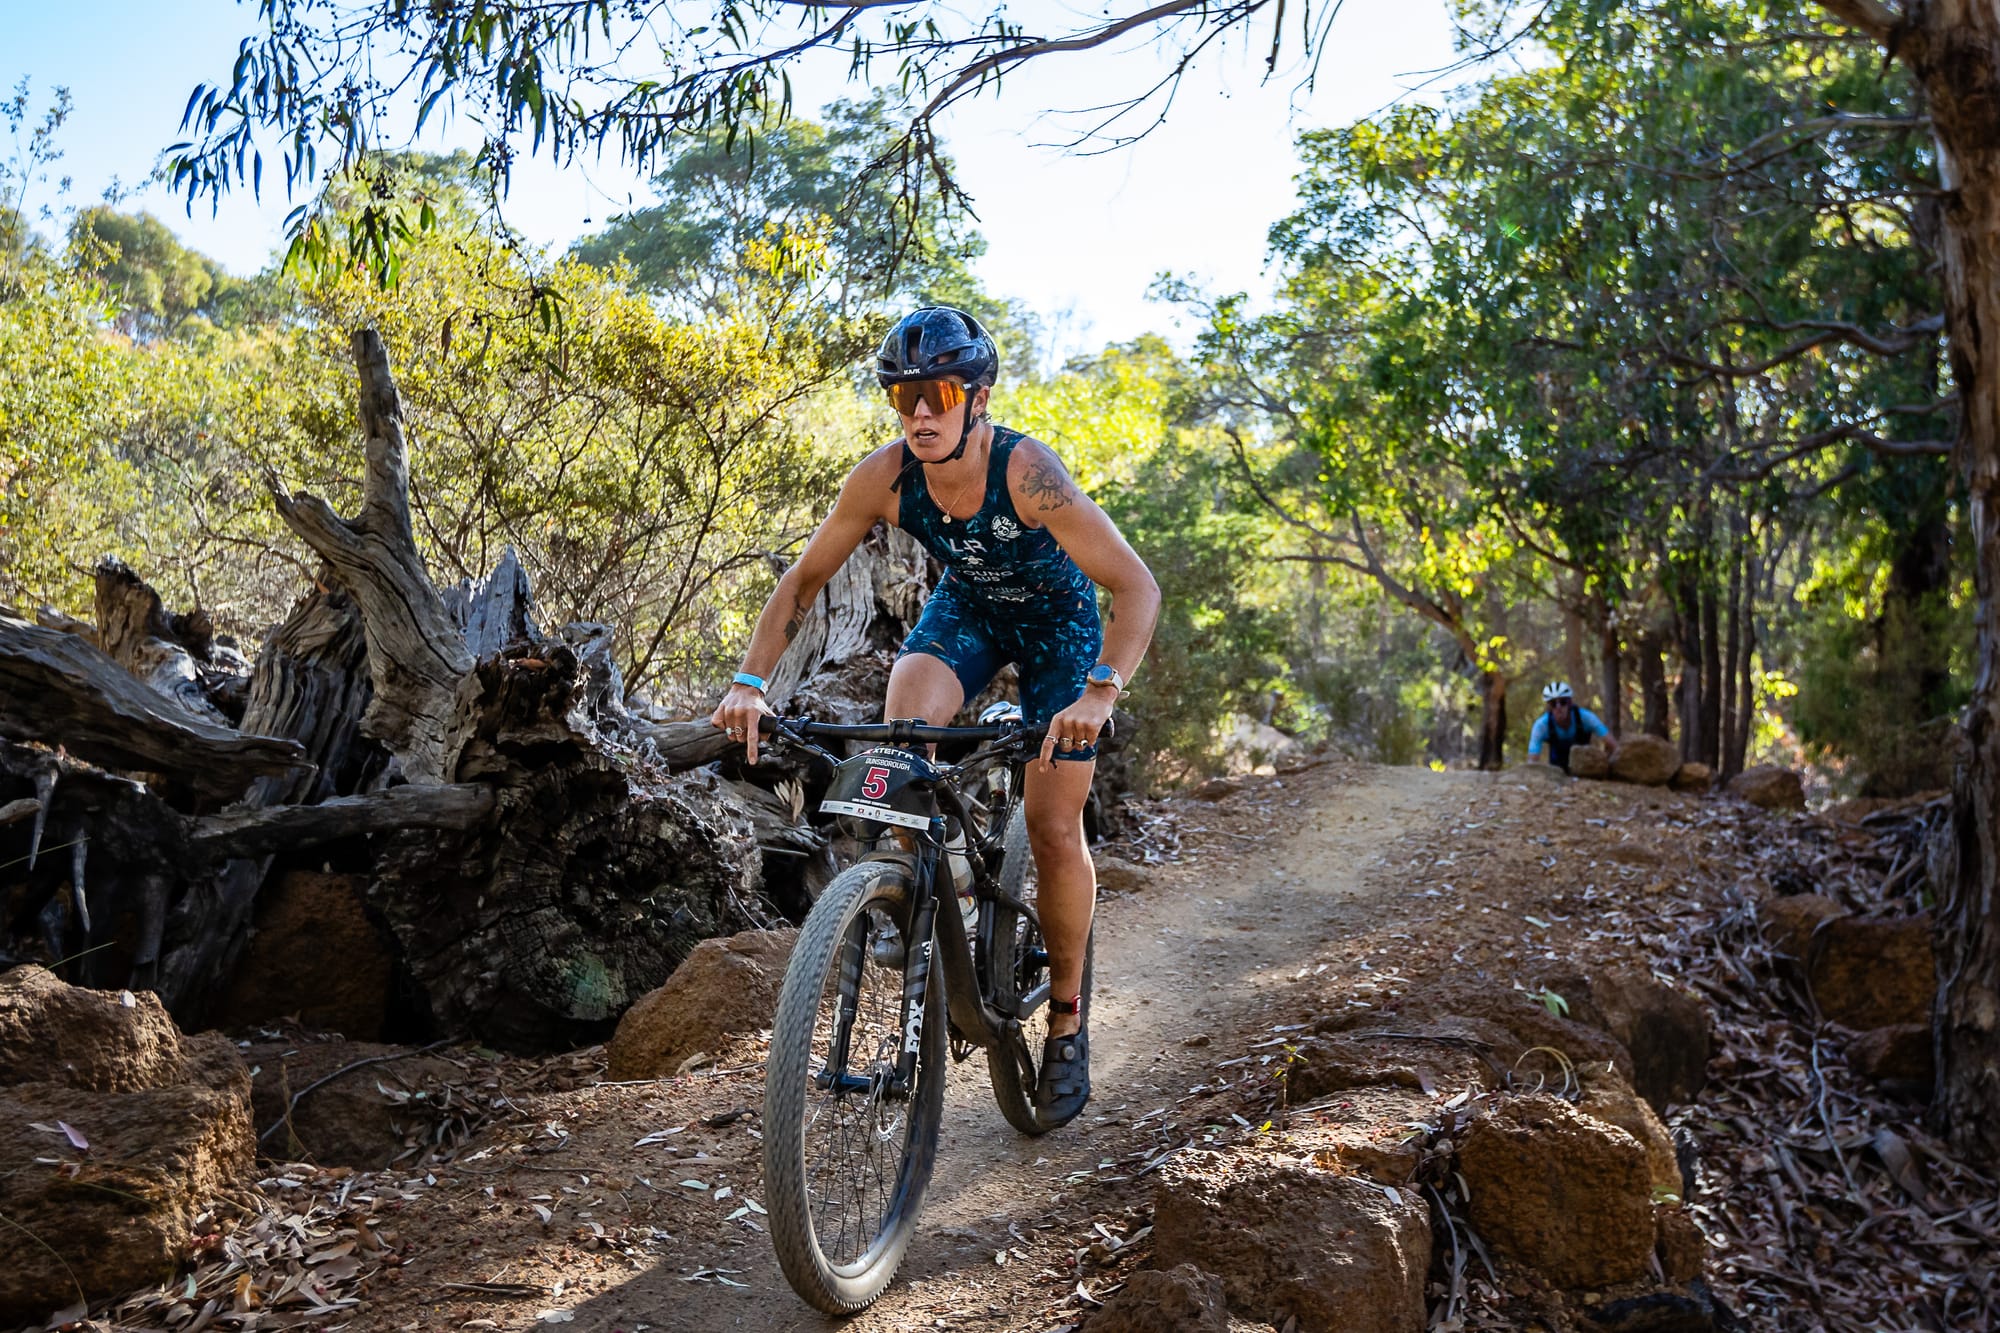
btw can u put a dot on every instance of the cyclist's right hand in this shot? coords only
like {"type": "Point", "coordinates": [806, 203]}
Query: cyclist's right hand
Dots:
{"type": "Point", "coordinates": [738, 715]}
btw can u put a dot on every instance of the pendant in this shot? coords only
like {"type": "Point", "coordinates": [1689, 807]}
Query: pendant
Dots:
{"type": "Point", "coordinates": [947, 517]}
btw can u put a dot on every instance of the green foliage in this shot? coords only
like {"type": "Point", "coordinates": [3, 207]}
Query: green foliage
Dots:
{"type": "Point", "coordinates": [721, 193]}
{"type": "Point", "coordinates": [154, 281]}
{"type": "Point", "coordinates": [1593, 327]}
{"type": "Point", "coordinates": [1215, 649]}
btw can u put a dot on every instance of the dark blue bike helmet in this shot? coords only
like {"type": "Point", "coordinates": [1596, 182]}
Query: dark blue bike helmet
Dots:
{"type": "Point", "coordinates": [938, 340]}
{"type": "Point", "coordinates": [930, 342]}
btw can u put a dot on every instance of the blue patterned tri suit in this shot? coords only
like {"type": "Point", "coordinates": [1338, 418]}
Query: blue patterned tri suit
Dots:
{"type": "Point", "coordinates": [1010, 593]}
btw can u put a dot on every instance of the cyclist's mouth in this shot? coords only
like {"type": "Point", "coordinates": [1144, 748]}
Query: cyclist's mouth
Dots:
{"type": "Point", "coordinates": [924, 435]}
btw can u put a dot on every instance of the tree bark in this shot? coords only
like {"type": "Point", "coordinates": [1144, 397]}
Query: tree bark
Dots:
{"type": "Point", "coordinates": [416, 654]}
{"type": "Point", "coordinates": [1953, 46]}
{"type": "Point", "coordinates": [1656, 704]}
{"type": "Point", "coordinates": [1688, 701]}
{"type": "Point", "coordinates": [1711, 673]}
{"type": "Point", "coordinates": [1731, 746]}
{"type": "Point", "coordinates": [1746, 697]}
{"type": "Point", "coordinates": [1611, 683]}
{"type": "Point", "coordinates": [1957, 55]}
{"type": "Point", "coordinates": [59, 689]}
{"type": "Point", "coordinates": [1492, 720]}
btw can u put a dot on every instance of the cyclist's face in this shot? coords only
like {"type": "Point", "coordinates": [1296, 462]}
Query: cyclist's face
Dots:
{"type": "Point", "coordinates": [1559, 709]}
{"type": "Point", "coordinates": [932, 433]}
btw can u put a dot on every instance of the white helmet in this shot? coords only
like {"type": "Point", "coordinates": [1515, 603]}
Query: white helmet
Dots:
{"type": "Point", "coordinates": [1556, 689]}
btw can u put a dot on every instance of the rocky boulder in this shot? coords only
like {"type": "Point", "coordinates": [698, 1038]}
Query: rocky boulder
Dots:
{"type": "Point", "coordinates": [1650, 761]}
{"type": "Point", "coordinates": [1693, 777]}
{"type": "Point", "coordinates": [1873, 972]}
{"type": "Point", "coordinates": [1608, 1097]}
{"type": "Point", "coordinates": [1559, 1191]}
{"type": "Point", "coordinates": [1369, 1131]}
{"type": "Point", "coordinates": [1117, 875]}
{"type": "Point", "coordinates": [1665, 1030]}
{"type": "Point", "coordinates": [99, 1041]}
{"type": "Point", "coordinates": [1335, 1252]}
{"type": "Point", "coordinates": [1183, 1300]}
{"type": "Point", "coordinates": [1900, 1053]}
{"type": "Point", "coordinates": [116, 1132]}
{"type": "Point", "coordinates": [1678, 1242]}
{"type": "Point", "coordinates": [725, 989]}
{"type": "Point", "coordinates": [1589, 761]}
{"type": "Point", "coordinates": [1423, 1060]}
{"type": "Point", "coordinates": [1789, 922]}
{"type": "Point", "coordinates": [1770, 787]}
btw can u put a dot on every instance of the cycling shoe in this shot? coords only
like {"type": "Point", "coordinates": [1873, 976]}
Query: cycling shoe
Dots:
{"type": "Point", "coordinates": [1063, 1089]}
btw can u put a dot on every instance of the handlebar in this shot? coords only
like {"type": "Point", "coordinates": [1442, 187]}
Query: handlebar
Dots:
{"type": "Point", "coordinates": [900, 732]}
{"type": "Point", "coordinates": [906, 731]}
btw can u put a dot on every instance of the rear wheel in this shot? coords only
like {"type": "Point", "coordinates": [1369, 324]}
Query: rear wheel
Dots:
{"type": "Point", "coordinates": [847, 1155]}
{"type": "Point", "coordinates": [1015, 959]}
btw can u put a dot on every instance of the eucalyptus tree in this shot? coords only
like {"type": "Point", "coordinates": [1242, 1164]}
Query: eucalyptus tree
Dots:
{"type": "Point", "coordinates": [720, 193]}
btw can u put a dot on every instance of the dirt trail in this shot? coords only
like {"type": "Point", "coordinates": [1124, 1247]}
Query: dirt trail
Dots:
{"type": "Point", "coordinates": [1189, 968]}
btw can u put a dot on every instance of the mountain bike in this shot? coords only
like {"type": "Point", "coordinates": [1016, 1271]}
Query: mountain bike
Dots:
{"type": "Point", "coordinates": [888, 973]}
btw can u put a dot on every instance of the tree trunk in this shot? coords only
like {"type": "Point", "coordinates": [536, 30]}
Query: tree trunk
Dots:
{"type": "Point", "coordinates": [1655, 702]}
{"type": "Point", "coordinates": [1954, 46]}
{"type": "Point", "coordinates": [1492, 720]}
{"type": "Point", "coordinates": [1746, 697]}
{"type": "Point", "coordinates": [1731, 745]}
{"type": "Point", "coordinates": [1711, 673]}
{"type": "Point", "coordinates": [416, 654]}
{"type": "Point", "coordinates": [1688, 701]}
{"type": "Point", "coordinates": [1573, 654]}
{"type": "Point", "coordinates": [1609, 660]}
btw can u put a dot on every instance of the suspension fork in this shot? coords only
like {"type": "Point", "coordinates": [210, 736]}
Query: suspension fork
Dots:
{"type": "Point", "coordinates": [921, 941]}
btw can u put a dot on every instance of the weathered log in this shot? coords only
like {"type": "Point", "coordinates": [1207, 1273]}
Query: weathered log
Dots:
{"type": "Point", "coordinates": [59, 689]}
{"type": "Point", "coordinates": [134, 630]}
{"type": "Point", "coordinates": [311, 683]}
{"type": "Point", "coordinates": [868, 606]}
{"type": "Point", "coordinates": [416, 653]}
{"type": "Point", "coordinates": [579, 896]}
{"type": "Point", "coordinates": [498, 611]}
{"type": "Point", "coordinates": [255, 832]}
{"type": "Point", "coordinates": [103, 904]}
{"type": "Point", "coordinates": [18, 810]}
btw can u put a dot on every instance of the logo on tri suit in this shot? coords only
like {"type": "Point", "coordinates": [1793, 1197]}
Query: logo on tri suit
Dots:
{"type": "Point", "coordinates": [1006, 529]}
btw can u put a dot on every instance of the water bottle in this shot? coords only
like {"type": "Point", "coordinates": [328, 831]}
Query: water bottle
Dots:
{"type": "Point", "coordinates": [958, 873]}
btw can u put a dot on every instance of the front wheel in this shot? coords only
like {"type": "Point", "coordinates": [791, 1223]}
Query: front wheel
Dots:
{"type": "Point", "coordinates": [847, 1154]}
{"type": "Point", "coordinates": [1015, 962]}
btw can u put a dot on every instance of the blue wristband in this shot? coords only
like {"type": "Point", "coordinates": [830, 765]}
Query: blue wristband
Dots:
{"type": "Point", "coordinates": [757, 683]}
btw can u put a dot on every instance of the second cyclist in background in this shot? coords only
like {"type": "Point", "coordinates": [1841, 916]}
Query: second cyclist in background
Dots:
{"type": "Point", "coordinates": [1563, 726]}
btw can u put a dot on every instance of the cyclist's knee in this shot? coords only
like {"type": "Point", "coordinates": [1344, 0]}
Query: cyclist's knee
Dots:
{"type": "Point", "coordinates": [1058, 836]}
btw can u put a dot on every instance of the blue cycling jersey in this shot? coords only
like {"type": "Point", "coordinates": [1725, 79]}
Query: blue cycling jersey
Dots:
{"type": "Point", "coordinates": [1010, 593]}
{"type": "Point", "coordinates": [1583, 724]}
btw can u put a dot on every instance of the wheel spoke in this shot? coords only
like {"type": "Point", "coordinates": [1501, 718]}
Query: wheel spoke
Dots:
{"type": "Point", "coordinates": [856, 1141]}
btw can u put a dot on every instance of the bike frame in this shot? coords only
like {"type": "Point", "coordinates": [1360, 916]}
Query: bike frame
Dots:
{"type": "Point", "coordinates": [968, 1000]}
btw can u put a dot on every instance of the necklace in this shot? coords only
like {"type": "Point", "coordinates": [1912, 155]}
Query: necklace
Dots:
{"type": "Point", "coordinates": [945, 508]}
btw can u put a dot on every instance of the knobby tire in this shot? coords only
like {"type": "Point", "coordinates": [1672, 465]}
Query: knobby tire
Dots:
{"type": "Point", "coordinates": [821, 1149]}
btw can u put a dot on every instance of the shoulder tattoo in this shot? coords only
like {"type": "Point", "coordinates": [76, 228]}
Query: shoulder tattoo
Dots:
{"type": "Point", "coordinates": [1047, 484]}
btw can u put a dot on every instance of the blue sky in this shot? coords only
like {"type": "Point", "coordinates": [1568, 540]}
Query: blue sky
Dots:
{"type": "Point", "coordinates": [1078, 238]}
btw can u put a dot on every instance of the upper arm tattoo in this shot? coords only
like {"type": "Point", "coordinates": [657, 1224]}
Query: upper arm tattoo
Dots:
{"type": "Point", "coordinates": [1048, 485]}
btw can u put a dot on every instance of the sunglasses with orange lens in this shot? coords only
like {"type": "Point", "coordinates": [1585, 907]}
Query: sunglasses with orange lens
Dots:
{"type": "Point", "coordinates": [941, 394]}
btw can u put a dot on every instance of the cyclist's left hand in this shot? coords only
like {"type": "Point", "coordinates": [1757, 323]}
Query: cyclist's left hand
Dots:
{"type": "Point", "coordinates": [1078, 724]}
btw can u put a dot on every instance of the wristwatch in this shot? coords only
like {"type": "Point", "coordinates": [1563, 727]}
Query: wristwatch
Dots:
{"type": "Point", "coordinates": [1106, 674]}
